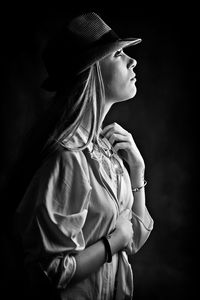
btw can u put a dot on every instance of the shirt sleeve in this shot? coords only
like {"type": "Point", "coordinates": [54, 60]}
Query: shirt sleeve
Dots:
{"type": "Point", "coordinates": [142, 229]}
{"type": "Point", "coordinates": [63, 194]}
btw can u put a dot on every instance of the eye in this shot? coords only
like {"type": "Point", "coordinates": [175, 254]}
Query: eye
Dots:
{"type": "Point", "coordinates": [118, 53]}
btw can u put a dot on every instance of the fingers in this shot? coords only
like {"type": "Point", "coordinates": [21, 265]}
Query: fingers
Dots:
{"type": "Point", "coordinates": [117, 137]}
{"type": "Point", "coordinates": [121, 146]}
{"type": "Point", "coordinates": [120, 139]}
{"type": "Point", "coordinates": [113, 128]}
{"type": "Point", "coordinates": [115, 133]}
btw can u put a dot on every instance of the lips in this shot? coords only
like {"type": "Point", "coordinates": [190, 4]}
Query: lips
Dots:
{"type": "Point", "coordinates": [133, 79]}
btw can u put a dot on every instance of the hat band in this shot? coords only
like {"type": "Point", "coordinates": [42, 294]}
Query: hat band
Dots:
{"type": "Point", "coordinates": [108, 37]}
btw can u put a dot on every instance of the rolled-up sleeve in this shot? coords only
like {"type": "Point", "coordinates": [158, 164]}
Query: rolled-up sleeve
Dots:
{"type": "Point", "coordinates": [142, 229]}
{"type": "Point", "coordinates": [59, 242]}
{"type": "Point", "coordinates": [62, 199]}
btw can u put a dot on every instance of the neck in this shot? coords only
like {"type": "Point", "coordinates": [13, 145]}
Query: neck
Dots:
{"type": "Point", "coordinates": [86, 122]}
{"type": "Point", "coordinates": [107, 107]}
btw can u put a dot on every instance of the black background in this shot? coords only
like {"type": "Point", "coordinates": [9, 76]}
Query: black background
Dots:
{"type": "Point", "coordinates": [162, 118]}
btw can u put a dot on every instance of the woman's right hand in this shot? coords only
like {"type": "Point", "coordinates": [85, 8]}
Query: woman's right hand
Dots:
{"type": "Point", "coordinates": [124, 228]}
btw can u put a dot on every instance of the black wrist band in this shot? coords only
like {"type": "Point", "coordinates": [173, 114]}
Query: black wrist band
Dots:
{"type": "Point", "coordinates": [107, 247]}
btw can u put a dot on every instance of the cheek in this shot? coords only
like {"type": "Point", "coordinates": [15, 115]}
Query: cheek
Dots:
{"type": "Point", "coordinates": [116, 80]}
{"type": "Point", "coordinates": [119, 86]}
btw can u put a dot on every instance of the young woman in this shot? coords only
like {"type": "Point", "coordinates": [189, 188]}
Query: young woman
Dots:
{"type": "Point", "coordinates": [84, 212]}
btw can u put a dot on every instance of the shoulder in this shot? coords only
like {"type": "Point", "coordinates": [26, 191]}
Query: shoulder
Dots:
{"type": "Point", "coordinates": [75, 161]}
{"type": "Point", "coordinates": [67, 158]}
{"type": "Point", "coordinates": [64, 164]}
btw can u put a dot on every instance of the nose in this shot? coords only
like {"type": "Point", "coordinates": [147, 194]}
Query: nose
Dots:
{"type": "Point", "coordinates": [132, 63]}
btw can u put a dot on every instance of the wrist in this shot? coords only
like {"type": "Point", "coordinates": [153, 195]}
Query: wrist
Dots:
{"type": "Point", "coordinates": [139, 187]}
{"type": "Point", "coordinates": [135, 163]}
{"type": "Point", "coordinates": [116, 241]}
{"type": "Point", "coordinates": [108, 250]}
{"type": "Point", "coordinates": [137, 176]}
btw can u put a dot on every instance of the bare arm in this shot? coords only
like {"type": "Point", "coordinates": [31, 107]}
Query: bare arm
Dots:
{"type": "Point", "coordinates": [137, 180]}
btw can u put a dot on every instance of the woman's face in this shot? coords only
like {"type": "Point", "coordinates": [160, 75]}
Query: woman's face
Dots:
{"type": "Point", "coordinates": [118, 76]}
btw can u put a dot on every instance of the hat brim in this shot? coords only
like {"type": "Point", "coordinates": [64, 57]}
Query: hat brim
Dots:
{"type": "Point", "coordinates": [97, 53]}
{"type": "Point", "coordinates": [92, 56]}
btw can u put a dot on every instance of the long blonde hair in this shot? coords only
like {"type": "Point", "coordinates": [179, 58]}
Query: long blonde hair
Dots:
{"type": "Point", "coordinates": [87, 92]}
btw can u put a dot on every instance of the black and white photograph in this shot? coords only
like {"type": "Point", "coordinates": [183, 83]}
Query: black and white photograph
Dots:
{"type": "Point", "coordinates": [99, 167]}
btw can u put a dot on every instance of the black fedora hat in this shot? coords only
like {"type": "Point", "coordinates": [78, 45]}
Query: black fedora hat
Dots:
{"type": "Point", "coordinates": [83, 41]}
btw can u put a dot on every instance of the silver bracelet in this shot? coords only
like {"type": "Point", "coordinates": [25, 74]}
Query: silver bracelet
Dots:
{"type": "Point", "coordinates": [139, 187]}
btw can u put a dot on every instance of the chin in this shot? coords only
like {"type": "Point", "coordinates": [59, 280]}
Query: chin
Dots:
{"type": "Point", "coordinates": [134, 92]}
{"type": "Point", "coordinates": [130, 95]}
